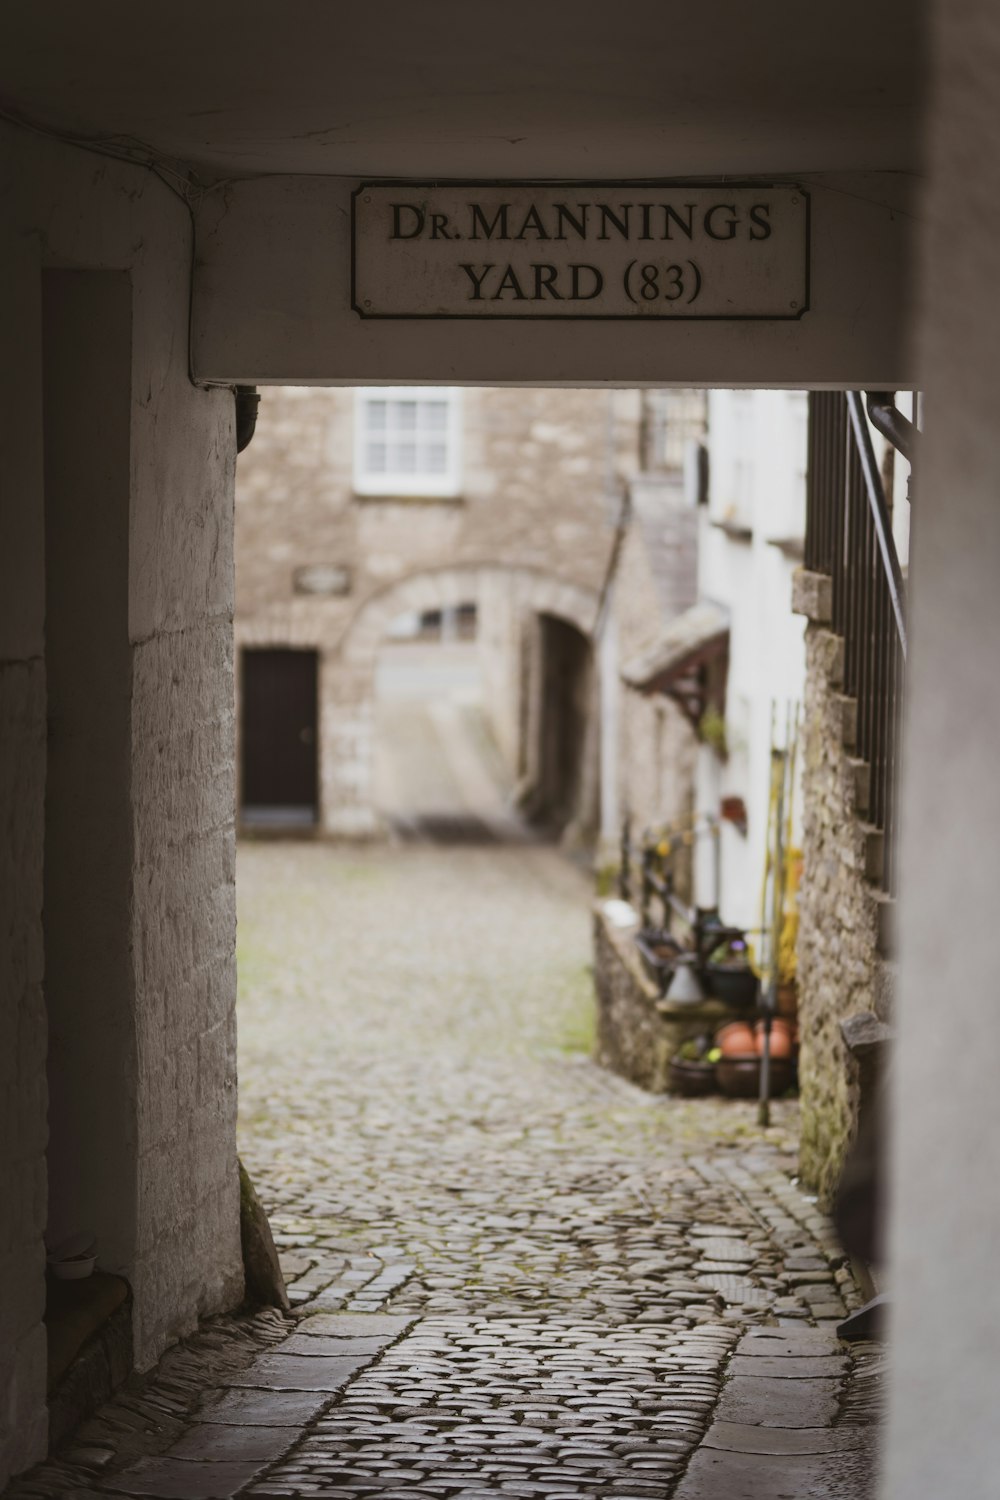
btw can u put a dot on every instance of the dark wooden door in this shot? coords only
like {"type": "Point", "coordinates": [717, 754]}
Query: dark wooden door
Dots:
{"type": "Point", "coordinates": [279, 734]}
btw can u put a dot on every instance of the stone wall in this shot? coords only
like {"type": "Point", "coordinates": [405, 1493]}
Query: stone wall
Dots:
{"type": "Point", "coordinates": [176, 921]}
{"type": "Point", "coordinates": [188, 1256]}
{"type": "Point", "coordinates": [638, 1032]}
{"type": "Point", "coordinates": [531, 530]}
{"type": "Point", "coordinates": [542, 471]}
{"type": "Point", "coordinates": [348, 674]}
{"type": "Point", "coordinates": [841, 973]}
{"type": "Point", "coordinates": [655, 580]}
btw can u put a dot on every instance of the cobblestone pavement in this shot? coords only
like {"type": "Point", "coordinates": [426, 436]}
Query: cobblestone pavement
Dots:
{"type": "Point", "coordinates": [513, 1273]}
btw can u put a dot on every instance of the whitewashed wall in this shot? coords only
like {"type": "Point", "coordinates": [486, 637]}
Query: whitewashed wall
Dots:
{"type": "Point", "coordinates": [944, 1437]}
{"type": "Point", "coordinates": [68, 209]}
{"type": "Point", "coordinates": [757, 460]}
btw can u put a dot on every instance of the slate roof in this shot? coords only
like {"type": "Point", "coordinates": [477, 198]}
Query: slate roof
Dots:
{"type": "Point", "coordinates": [668, 528]}
{"type": "Point", "coordinates": [689, 639]}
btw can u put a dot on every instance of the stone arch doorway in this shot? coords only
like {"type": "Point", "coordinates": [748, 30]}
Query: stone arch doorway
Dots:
{"type": "Point", "coordinates": [509, 601]}
{"type": "Point", "coordinates": [559, 772]}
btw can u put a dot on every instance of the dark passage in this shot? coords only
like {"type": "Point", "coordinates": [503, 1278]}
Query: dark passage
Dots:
{"type": "Point", "coordinates": [279, 784]}
{"type": "Point", "coordinates": [560, 791]}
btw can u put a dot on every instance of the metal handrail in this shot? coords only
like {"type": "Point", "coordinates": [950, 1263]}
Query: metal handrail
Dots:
{"type": "Point", "coordinates": [644, 853]}
{"type": "Point", "coordinates": [880, 514]}
{"type": "Point", "coordinates": [887, 419]}
{"type": "Point", "coordinates": [849, 539]}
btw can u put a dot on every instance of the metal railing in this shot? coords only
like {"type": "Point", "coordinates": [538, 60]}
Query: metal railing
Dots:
{"type": "Point", "coordinates": [849, 537]}
{"type": "Point", "coordinates": [647, 864]}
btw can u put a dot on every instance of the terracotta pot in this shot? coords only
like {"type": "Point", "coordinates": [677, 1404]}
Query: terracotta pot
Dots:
{"type": "Point", "coordinates": [735, 1040]}
{"type": "Point", "coordinates": [782, 1037]}
{"type": "Point", "coordinates": [739, 1077]}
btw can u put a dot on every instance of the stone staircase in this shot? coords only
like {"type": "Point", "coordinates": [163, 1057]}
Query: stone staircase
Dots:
{"type": "Point", "coordinates": [847, 972]}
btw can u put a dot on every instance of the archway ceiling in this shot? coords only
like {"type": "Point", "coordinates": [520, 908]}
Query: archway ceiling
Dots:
{"type": "Point", "coordinates": [455, 87]}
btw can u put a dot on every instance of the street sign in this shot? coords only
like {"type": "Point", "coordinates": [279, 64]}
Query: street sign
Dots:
{"type": "Point", "coordinates": [323, 579]}
{"type": "Point", "coordinates": [668, 250]}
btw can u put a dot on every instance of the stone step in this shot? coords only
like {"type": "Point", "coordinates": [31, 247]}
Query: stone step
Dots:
{"type": "Point", "coordinates": [812, 596]}
{"type": "Point", "coordinates": [865, 1034]}
{"type": "Point", "coordinates": [828, 656]}
{"type": "Point", "coordinates": [885, 924]}
{"type": "Point", "coordinates": [874, 852]}
{"type": "Point", "coordinates": [886, 984]}
{"type": "Point", "coordinates": [848, 708]}
{"type": "Point", "coordinates": [860, 775]}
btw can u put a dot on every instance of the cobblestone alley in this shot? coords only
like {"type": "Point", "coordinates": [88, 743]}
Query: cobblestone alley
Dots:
{"type": "Point", "coordinates": [511, 1272]}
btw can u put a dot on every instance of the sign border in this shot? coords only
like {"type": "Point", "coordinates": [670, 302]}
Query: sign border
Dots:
{"type": "Point", "coordinates": [629, 183]}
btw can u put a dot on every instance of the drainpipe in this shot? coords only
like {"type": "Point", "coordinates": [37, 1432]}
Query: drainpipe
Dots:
{"type": "Point", "coordinates": [604, 598]}
{"type": "Point", "coordinates": [605, 637]}
{"type": "Point", "coordinates": [247, 402]}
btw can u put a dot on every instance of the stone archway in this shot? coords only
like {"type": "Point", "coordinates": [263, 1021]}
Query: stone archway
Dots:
{"type": "Point", "coordinates": [504, 595]}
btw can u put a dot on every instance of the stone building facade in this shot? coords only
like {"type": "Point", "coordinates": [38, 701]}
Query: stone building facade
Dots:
{"type": "Point", "coordinates": [751, 540]}
{"type": "Point", "coordinates": [649, 745]}
{"type": "Point", "coordinates": [327, 557]}
{"type": "Point", "coordinates": [655, 581]}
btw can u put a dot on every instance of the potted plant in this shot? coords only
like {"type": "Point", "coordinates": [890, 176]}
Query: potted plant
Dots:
{"type": "Point", "coordinates": [658, 951]}
{"type": "Point", "coordinates": [729, 974]}
{"type": "Point", "coordinates": [737, 1072]}
{"type": "Point", "coordinates": [692, 1070]}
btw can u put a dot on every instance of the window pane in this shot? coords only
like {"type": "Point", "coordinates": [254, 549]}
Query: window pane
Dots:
{"type": "Point", "coordinates": [406, 442]}
{"type": "Point", "coordinates": [404, 458]}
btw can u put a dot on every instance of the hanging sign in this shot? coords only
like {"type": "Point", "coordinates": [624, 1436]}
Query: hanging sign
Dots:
{"type": "Point", "coordinates": [580, 250]}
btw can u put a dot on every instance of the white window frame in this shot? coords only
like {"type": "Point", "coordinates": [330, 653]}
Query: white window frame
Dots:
{"type": "Point", "coordinates": [447, 484]}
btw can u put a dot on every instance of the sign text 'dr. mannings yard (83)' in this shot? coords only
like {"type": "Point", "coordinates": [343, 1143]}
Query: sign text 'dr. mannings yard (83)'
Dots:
{"type": "Point", "coordinates": [580, 250]}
